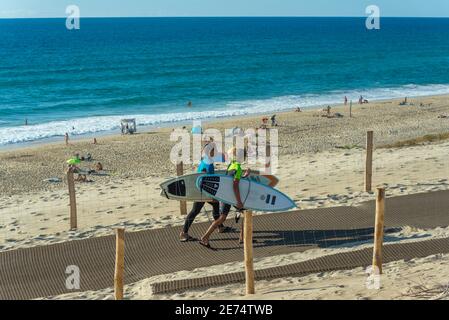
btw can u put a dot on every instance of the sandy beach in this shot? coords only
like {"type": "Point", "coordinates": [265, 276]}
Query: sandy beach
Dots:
{"type": "Point", "coordinates": [321, 163]}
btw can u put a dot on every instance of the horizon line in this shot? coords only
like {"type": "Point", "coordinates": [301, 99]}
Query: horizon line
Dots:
{"type": "Point", "coordinates": [187, 17]}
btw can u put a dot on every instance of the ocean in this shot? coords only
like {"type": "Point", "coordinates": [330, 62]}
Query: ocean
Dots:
{"type": "Point", "coordinates": [84, 81]}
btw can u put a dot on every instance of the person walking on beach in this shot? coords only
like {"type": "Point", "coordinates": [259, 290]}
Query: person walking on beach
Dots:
{"type": "Point", "coordinates": [206, 166]}
{"type": "Point", "coordinates": [273, 121]}
{"type": "Point", "coordinates": [66, 138]}
{"type": "Point", "coordinates": [235, 170]}
{"type": "Point", "coordinates": [346, 100]}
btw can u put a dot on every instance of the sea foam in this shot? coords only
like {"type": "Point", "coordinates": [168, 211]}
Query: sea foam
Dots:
{"type": "Point", "coordinates": [90, 125]}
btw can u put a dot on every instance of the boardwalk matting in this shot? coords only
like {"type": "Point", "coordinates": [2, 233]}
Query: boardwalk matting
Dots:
{"type": "Point", "coordinates": [40, 271]}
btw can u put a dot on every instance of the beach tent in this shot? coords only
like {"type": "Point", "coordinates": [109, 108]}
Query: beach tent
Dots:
{"type": "Point", "coordinates": [128, 126]}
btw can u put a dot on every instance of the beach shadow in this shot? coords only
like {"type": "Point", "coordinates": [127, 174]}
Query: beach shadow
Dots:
{"type": "Point", "coordinates": [303, 289]}
{"type": "Point", "coordinates": [346, 238]}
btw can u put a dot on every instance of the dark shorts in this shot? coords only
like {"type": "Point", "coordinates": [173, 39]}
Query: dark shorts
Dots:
{"type": "Point", "coordinates": [225, 208]}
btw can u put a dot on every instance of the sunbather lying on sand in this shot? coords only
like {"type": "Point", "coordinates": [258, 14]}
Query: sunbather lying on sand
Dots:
{"type": "Point", "coordinates": [81, 178]}
{"type": "Point", "coordinates": [98, 167]}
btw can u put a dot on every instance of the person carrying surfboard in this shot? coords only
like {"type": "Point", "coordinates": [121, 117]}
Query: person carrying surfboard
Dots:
{"type": "Point", "coordinates": [206, 166]}
{"type": "Point", "coordinates": [234, 169]}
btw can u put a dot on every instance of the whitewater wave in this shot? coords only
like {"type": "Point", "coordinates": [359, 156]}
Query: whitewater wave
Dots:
{"type": "Point", "coordinates": [89, 125]}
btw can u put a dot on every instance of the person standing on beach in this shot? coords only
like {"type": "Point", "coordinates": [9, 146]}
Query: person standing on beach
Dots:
{"type": "Point", "coordinates": [66, 138]}
{"type": "Point", "coordinates": [346, 100]}
{"type": "Point", "coordinates": [206, 166]}
{"type": "Point", "coordinates": [273, 121]}
{"type": "Point", "coordinates": [235, 170]}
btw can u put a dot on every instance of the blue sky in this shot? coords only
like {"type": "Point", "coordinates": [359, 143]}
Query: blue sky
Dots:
{"type": "Point", "coordinates": [158, 8]}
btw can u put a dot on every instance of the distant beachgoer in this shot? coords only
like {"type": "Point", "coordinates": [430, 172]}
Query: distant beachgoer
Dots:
{"type": "Point", "coordinates": [361, 100]}
{"type": "Point", "coordinates": [74, 161]}
{"type": "Point", "coordinates": [88, 157]}
{"type": "Point", "coordinates": [346, 100]}
{"type": "Point", "coordinates": [26, 122]}
{"type": "Point", "coordinates": [98, 167]}
{"type": "Point", "coordinates": [273, 121]}
{"type": "Point", "coordinates": [189, 104]}
{"type": "Point", "coordinates": [81, 178]}
{"type": "Point", "coordinates": [66, 138]}
{"type": "Point", "coordinates": [264, 123]}
{"type": "Point", "coordinates": [298, 109]}
{"type": "Point", "coordinates": [328, 110]}
{"type": "Point", "coordinates": [95, 140]}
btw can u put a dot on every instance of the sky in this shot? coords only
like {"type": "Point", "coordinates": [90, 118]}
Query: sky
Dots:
{"type": "Point", "coordinates": [175, 8]}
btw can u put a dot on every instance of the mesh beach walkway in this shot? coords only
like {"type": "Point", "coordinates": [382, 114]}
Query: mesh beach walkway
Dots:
{"type": "Point", "coordinates": [40, 271]}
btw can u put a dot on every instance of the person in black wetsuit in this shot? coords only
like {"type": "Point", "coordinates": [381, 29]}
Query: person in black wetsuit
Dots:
{"type": "Point", "coordinates": [206, 166]}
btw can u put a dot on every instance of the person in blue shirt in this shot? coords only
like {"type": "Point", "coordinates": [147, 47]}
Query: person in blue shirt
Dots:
{"type": "Point", "coordinates": [205, 166]}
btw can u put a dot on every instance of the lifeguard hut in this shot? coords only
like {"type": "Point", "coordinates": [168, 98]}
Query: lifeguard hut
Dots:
{"type": "Point", "coordinates": [128, 126]}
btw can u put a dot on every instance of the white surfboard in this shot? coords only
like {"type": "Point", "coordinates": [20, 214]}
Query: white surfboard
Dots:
{"type": "Point", "coordinates": [183, 188]}
{"type": "Point", "coordinates": [254, 195]}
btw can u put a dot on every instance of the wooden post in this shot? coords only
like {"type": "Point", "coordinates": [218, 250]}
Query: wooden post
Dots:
{"type": "Point", "coordinates": [268, 159]}
{"type": "Point", "coordinates": [72, 197]}
{"type": "Point", "coordinates": [180, 172]}
{"type": "Point", "coordinates": [248, 247]}
{"type": "Point", "coordinates": [369, 161]}
{"type": "Point", "coordinates": [350, 109]}
{"type": "Point", "coordinates": [119, 263]}
{"type": "Point", "coordinates": [379, 230]}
